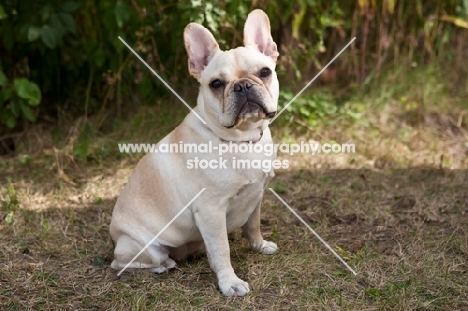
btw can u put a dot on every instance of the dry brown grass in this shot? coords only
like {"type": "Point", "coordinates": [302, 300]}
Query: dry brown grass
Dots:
{"type": "Point", "coordinates": [396, 211]}
{"type": "Point", "coordinates": [404, 232]}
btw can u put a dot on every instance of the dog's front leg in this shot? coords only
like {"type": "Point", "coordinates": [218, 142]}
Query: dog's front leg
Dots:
{"type": "Point", "coordinates": [251, 231]}
{"type": "Point", "coordinates": [211, 221]}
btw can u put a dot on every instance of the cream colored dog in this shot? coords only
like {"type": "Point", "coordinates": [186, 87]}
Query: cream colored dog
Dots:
{"type": "Point", "coordinates": [238, 96]}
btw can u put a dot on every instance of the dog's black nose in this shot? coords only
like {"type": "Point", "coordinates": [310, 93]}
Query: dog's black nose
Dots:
{"type": "Point", "coordinates": [271, 115]}
{"type": "Point", "coordinates": [239, 87]}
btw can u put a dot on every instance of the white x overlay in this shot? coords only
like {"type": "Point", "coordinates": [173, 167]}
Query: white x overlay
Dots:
{"type": "Point", "coordinates": [162, 230]}
{"type": "Point", "coordinates": [281, 111]}
{"type": "Point", "coordinates": [313, 231]}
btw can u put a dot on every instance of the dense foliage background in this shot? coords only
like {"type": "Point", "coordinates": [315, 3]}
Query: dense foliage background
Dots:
{"type": "Point", "coordinates": [63, 58]}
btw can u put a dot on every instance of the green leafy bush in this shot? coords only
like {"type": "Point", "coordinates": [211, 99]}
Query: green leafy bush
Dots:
{"type": "Point", "coordinates": [312, 109]}
{"type": "Point", "coordinates": [17, 99]}
{"type": "Point", "coordinates": [29, 30]}
{"type": "Point", "coordinates": [64, 55]}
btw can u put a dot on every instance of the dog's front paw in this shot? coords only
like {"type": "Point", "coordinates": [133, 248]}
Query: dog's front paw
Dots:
{"type": "Point", "coordinates": [232, 286]}
{"type": "Point", "coordinates": [267, 248]}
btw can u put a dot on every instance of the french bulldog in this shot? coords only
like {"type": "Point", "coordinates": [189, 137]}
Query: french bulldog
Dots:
{"type": "Point", "coordinates": [237, 99]}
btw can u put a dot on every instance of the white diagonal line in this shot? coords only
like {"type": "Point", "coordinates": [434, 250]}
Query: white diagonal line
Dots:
{"type": "Point", "coordinates": [161, 79]}
{"type": "Point", "coordinates": [312, 230]}
{"type": "Point", "coordinates": [310, 82]}
{"type": "Point", "coordinates": [162, 230]}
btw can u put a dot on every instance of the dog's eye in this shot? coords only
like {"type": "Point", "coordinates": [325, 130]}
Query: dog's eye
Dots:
{"type": "Point", "coordinates": [216, 84]}
{"type": "Point", "coordinates": [265, 72]}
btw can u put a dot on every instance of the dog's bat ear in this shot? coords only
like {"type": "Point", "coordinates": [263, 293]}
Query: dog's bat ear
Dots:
{"type": "Point", "coordinates": [257, 33]}
{"type": "Point", "coordinates": [200, 46]}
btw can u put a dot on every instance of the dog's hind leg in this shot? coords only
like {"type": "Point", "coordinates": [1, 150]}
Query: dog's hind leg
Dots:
{"type": "Point", "coordinates": [251, 231]}
{"type": "Point", "coordinates": [155, 257]}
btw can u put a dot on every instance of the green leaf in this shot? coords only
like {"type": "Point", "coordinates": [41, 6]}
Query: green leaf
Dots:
{"type": "Point", "coordinates": [98, 261]}
{"type": "Point", "coordinates": [117, 44]}
{"type": "Point", "coordinates": [28, 90]}
{"type": "Point", "coordinates": [279, 187]}
{"type": "Point", "coordinates": [10, 121]}
{"type": "Point", "coordinates": [45, 225]}
{"type": "Point", "coordinates": [46, 11]}
{"type": "Point", "coordinates": [49, 37]}
{"type": "Point", "coordinates": [68, 22]}
{"type": "Point", "coordinates": [5, 95]}
{"type": "Point", "coordinates": [10, 218]}
{"type": "Point", "coordinates": [99, 57]}
{"type": "Point", "coordinates": [56, 24]}
{"type": "Point", "coordinates": [34, 33]}
{"type": "Point", "coordinates": [69, 6]}
{"type": "Point", "coordinates": [373, 292]}
{"type": "Point", "coordinates": [304, 111]}
{"type": "Point", "coordinates": [24, 158]}
{"type": "Point", "coordinates": [3, 15]}
{"type": "Point", "coordinates": [122, 13]}
{"type": "Point", "coordinates": [27, 112]}
{"type": "Point", "coordinates": [3, 79]}
{"type": "Point", "coordinates": [81, 150]}
{"type": "Point", "coordinates": [338, 272]}
{"type": "Point", "coordinates": [298, 18]}
{"type": "Point", "coordinates": [15, 107]}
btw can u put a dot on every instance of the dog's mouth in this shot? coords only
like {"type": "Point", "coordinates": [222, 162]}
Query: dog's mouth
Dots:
{"type": "Point", "coordinates": [251, 108]}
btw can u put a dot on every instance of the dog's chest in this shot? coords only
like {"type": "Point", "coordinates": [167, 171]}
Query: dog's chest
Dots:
{"type": "Point", "coordinates": [243, 203]}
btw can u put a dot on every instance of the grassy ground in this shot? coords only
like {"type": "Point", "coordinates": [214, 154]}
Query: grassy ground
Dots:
{"type": "Point", "coordinates": [396, 211]}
